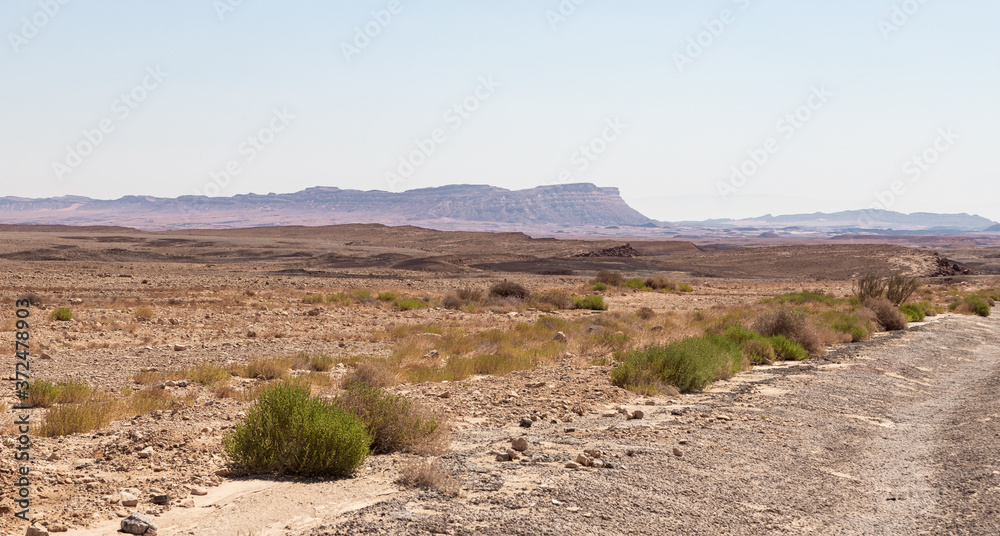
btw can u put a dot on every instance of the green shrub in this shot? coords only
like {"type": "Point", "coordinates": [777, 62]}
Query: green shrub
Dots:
{"type": "Point", "coordinates": [73, 392]}
{"type": "Point", "coordinates": [690, 365]}
{"type": "Point", "coordinates": [387, 296]}
{"type": "Point", "coordinates": [361, 295]}
{"type": "Point", "coordinates": [684, 287]}
{"type": "Point", "coordinates": [42, 394]}
{"type": "Point", "coordinates": [208, 374]}
{"type": "Point", "coordinates": [786, 349]}
{"type": "Point", "coordinates": [792, 324]}
{"type": "Point", "coordinates": [600, 287]}
{"type": "Point", "coordinates": [394, 422]}
{"type": "Point", "coordinates": [62, 314]}
{"type": "Point", "coordinates": [321, 363]}
{"type": "Point", "coordinates": [409, 304]}
{"type": "Point", "coordinates": [975, 305]}
{"type": "Point", "coordinates": [759, 351]}
{"type": "Point", "coordinates": [87, 416]}
{"type": "Point", "coordinates": [289, 432]}
{"type": "Point", "coordinates": [594, 303]}
{"type": "Point", "coordinates": [339, 298]}
{"type": "Point", "coordinates": [913, 312]}
{"type": "Point", "coordinates": [637, 283]}
{"type": "Point", "coordinates": [660, 282]}
{"type": "Point", "coordinates": [315, 298]}
{"type": "Point", "coordinates": [929, 308]}
{"type": "Point", "coordinates": [854, 326]}
{"type": "Point", "coordinates": [800, 298]}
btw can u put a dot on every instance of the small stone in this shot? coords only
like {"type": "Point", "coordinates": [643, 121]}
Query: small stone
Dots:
{"type": "Point", "coordinates": [637, 415]}
{"type": "Point", "coordinates": [113, 498]}
{"type": "Point", "coordinates": [569, 430]}
{"type": "Point", "coordinates": [560, 337]}
{"type": "Point", "coordinates": [520, 444]}
{"type": "Point", "coordinates": [597, 464]}
{"type": "Point", "coordinates": [146, 452]}
{"type": "Point", "coordinates": [46, 356]}
{"type": "Point", "coordinates": [174, 321]}
{"type": "Point", "coordinates": [198, 490]}
{"type": "Point", "coordinates": [251, 334]}
{"type": "Point", "coordinates": [138, 524]}
{"type": "Point", "coordinates": [608, 464]}
{"type": "Point", "coordinates": [121, 512]}
{"type": "Point", "coordinates": [504, 457]}
{"type": "Point", "coordinates": [526, 422]}
{"type": "Point", "coordinates": [161, 499]}
{"type": "Point", "coordinates": [128, 499]}
{"type": "Point", "coordinates": [583, 460]}
{"type": "Point", "coordinates": [445, 394]}
{"type": "Point", "coordinates": [657, 328]}
{"type": "Point", "coordinates": [723, 417]}
{"type": "Point", "coordinates": [314, 312]}
{"type": "Point", "coordinates": [572, 465]}
{"type": "Point", "coordinates": [432, 354]}
{"type": "Point", "coordinates": [187, 503]}
{"type": "Point", "coordinates": [179, 347]}
{"type": "Point", "coordinates": [58, 527]}
{"type": "Point", "coordinates": [593, 453]}
{"type": "Point", "coordinates": [513, 454]}
{"type": "Point", "coordinates": [677, 452]}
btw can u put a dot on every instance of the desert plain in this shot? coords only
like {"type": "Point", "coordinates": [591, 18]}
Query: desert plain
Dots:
{"type": "Point", "coordinates": [892, 434]}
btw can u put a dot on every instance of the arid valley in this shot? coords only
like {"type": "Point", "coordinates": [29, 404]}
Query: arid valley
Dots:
{"type": "Point", "coordinates": [177, 333]}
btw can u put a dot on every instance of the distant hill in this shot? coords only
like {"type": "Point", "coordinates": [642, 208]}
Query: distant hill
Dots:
{"type": "Point", "coordinates": [458, 206]}
{"type": "Point", "coordinates": [854, 222]}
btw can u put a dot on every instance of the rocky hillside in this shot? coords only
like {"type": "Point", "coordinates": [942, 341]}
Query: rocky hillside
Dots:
{"type": "Point", "coordinates": [567, 205]}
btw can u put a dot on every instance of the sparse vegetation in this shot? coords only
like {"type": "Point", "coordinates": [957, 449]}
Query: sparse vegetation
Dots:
{"type": "Point", "coordinates": [61, 314]}
{"type": "Point", "coordinates": [869, 286]}
{"type": "Point", "coordinates": [287, 431]}
{"type": "Point", "coordinates": [429, 474]}
{"type": "Point", "coordinates": [913, 312]}
{"type": "Point", "coordinates": [370, 374]}
{"type": "Point", "coordinates": [792, 324]}
{"type": "Point", "coordinates": [509, 290]}
{"type": "Point", "coordinates": [609, 278]}
{"type": "Point", "coordinates": [972, 305]}
{"type": "Point", "coordinates": [395, 423]}
{"type": "Point", "coordinates": [886, 314]}
{"type": "Point", "coordinates": [689, 365]}
{"type": "Point", "coordinates": [594, 302]}
{"type": "Point", "coordinates": [409, 304]}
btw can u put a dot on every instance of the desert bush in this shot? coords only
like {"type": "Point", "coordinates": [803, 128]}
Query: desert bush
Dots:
{"type": "Point", "coordinates": [370, 374]}
{"type": "Point", "coordinates": [557, 299]}
{"type": "Point", "coordinates": [62, 314]}
{"type": "Point", "coordinates": [387, 296]}
{"type": "Point", "coordinates": [92, 414]}
{"type": "Point", "coordinates": [361, 295]}
{"type": "Point", "coordinates": [636, 283]}
{"type": "Point", "coordinates": [452, 301]}
{"type": "Point", "coordinates": [428, 474]}
{"type": "Point", "coordinates": [594, 303]}
{"type": "Point", "coordinates": [886, 314]}
{"type": "Point", "coordinates": [899, 288]}
{"type": "Point", "coordinates": [149, 400]}
{"type": "Point", "coordinates": [144, 314]}
{"type": "Point", "coordinates": [599, 287]}
{"type": "Point", "coordinates": [470, 294]}
{"type": "Point", "coordinates": [792, 324]}
{"type": "Point", "coordinates": [913, 312]}
{"type": "Point", "coordinates": [684, 287]}
{"type": "Point", "coordinates": [869, 286]}
{"type": "Point", "coordinates": [42, 394]}
{"type": "Point", "coordinates": [786, 349]}
{"type": "Point", "coordinates": [800, 298]}
{"type": "Point", "coordinates": [929, 308]}
{"type": "Point", "coordinates": [73, 392]}
{"type": "Point", "coordinates": [315, 298]}
{"type": "Point", "coordinates": [509, 289]}
{"type": "Point", "coordinates": [972, 305]}
{"type": "Point", "coordinates": [394, 422]}
{"type": "Point", "coordinates": [759, 351]}
{"type": "Point", "coordinates": [646, 313]}
{"type": "Point", "coordinates": [409, 304]}
{"type": "Point", "coordinates": [854, 325]}
{"type": "Point", "coordinates": [609, 278]}
{"type": "Point", "coordinates": [690, 365]}
{"type": "Point", "coordinates": [288, 431]}
{"type": "Point", "coordinates": [321, 363]}
{"type": "Point", "coordinates": [208, 374]}
{"type": "Point", "coordinates": [660, 282]}
{"type": "Point", "coordinates": [267, 369]}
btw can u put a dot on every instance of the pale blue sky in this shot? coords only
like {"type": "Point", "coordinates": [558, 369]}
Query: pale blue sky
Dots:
{"type": "Point", "coordinates": [679, 133]}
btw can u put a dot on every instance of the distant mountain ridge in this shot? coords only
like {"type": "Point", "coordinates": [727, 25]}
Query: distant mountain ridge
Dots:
{"type": "Point", "coordinates": [863, 220]}
{"type": "Point", "coordinates": [562, 205]}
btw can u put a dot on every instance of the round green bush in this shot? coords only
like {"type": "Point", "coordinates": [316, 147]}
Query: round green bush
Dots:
{"type": "Point", "coordinates": [913, 312]}
{"type": "Point", "coordinates": [287, 431]}
{"type": "Point", "coordinates": [63, 314]}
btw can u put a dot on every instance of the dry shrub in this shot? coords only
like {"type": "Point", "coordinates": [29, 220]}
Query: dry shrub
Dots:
{"type": "Point", "coordinates": [646, 313]}
{"type": "Point", "coordinates": [267, 369]}
{"type": "Point", "coordinates": [144, 314]}
{"type": "Point", "coordinates": [660, 282]}
{"type": "Point", "coordinates": [509, 289]}
{"type": "Point", "coordinates": [395, 422]}
{"type": "Point", "coordinates": [869, 286]}
{"type": "Point", "coordinates": [452, 301]}
{"type": "Point", "coordinates": [793, 325]}
{"type": "Point", "coordinates": [370, 374]}
{"type": "Point", "coordinates": [469, 294]}
{"type": "Point", "coordinates": [556, 298]}
{"type": "Point", "coordinates": [609, 278]}
{"type": "Point", "coordinates": [429, 474]}
{"type": "Point", "coordinates": [899, 288]}
{"type": "Point", "coordinates": [759, 351]}
{"type": "Point", "coordinates": [886, 314]}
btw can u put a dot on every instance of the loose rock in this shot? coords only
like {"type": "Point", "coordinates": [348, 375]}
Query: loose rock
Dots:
{"type": "Point", "coordinates": [520, 444]}
{"type": "Point", "coordinates": [138, 524]}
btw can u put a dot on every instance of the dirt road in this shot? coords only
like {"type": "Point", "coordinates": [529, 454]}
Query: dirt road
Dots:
{"type": "Point", "coordinates": [895, 436]}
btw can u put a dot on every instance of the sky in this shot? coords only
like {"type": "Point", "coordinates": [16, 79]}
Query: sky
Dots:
{"type": "Point", "coordinates": [694, 110]}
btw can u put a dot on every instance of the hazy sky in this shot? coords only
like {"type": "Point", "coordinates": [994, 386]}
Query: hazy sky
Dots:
{"type": "Point", "coordinates": [823, 105]}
